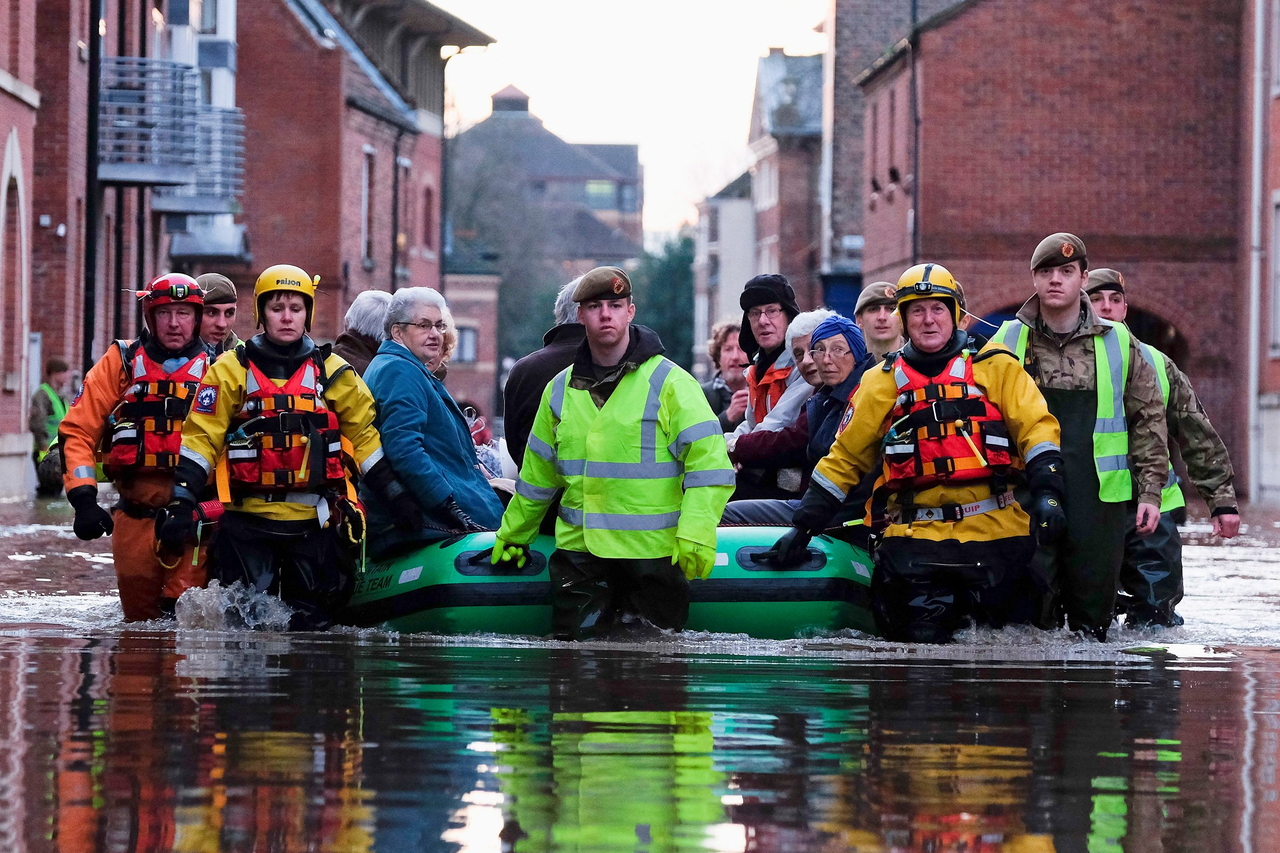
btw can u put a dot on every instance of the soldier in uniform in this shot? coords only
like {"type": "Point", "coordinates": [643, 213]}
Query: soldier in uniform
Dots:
{"type": "Point", "coordinates": [1114, 442]}
{"type": "Point", "coordinates": [1151, 576]}
{"type": "Point", "coordinates": [876, 313]}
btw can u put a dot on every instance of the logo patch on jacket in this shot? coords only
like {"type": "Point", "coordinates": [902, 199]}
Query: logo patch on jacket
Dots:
{"type": "Point", "coordinates": [844, 421]}
{"type": "Point", "coordinates": [206, 399]}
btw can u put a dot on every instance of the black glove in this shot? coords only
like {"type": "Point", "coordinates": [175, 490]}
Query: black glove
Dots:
{"type": "Point", "coordinates": [176, 524]}
{"type": "Point", "coordinates": [789, 551]}
{"type": "Point", "coordinates": [404, 510]}
{"type": "Point", "coordinates": [1044, 475]}
{"type": "Point", "coordinates": [1048, 518]}
{"type": "Point", "coordinates": [817, 508]}
{"type": "Point", "coordinates": [457, 519]}
{"type": "Point", "coordinates": [92, 520]}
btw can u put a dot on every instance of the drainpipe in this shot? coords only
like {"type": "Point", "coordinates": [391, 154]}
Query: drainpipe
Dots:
{"type": "Point", "coordinates": [91, 188]}
{"type": "Point", "coordinates": [444, 175]}
{"type": "Point", "coordinates": [915, 140]}
{"type": "Point", "coordinates": [395, 209]}
{"type": "Point", "coordinates": [1255, 246]}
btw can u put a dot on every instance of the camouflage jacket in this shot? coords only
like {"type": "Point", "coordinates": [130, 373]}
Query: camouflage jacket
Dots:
{"type": "Point", "coordinates": [1069, 365]}
{"type": "Point", "coordinates": [1208, 464]}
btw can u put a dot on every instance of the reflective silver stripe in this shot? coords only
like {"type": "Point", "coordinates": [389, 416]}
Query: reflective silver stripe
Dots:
{"type": "Point", "coordinates": [557, 393]}
{"type": "Point", "coordinates": [714, 477]}
{"type": "Point", "coordinates": [242, 454]}
{"type": "Point", "coordinates": [250, 383]}
{"type": "Point", "coordinates": [1008, 334]}
{"type": "Point", "coordinates": [125, 433]}
{"type": "Point", "coordinates": [618, 521]}
{"type": "Point", "coordinates": [139, 365]}
{"type": "Point", "coordinates": [900, 376]}
{"type": "Point", "coordinates": [829, 486]}
{"type": "Point", "coordinates": [634, 470]}
{"type": "Point", "coordinates": [1173, 478]}
{"type": "Point", "coordinates": [374, 458]}
{"type": "Point", "coordinates": [188, 453]}
{"type": "Point", "coordinates": [571, 467]}
{"type": "Point", "coordinates": [652, 405]}
{"type": "Point", "coordinates": [996, 440]}
{"type": "Point", "coordinates": [1147, 355]}
{"type": "Point", "coordinates": [690, 434]}
{"type": "Point", "coordinates": [899, 449]}
{"type": "Point", "coordinates": [335, 446]}
{"type": "Point", "coordinates": [304, 498]}
{"type": "Point", "coordinates": [541, 448]}
{"type": "Point", "coordinates": [309, 377]}
{"type": "Point", "coordinates": [1042, 447]}
{"type": "Point", "coordinates": [541, 494]}
{"type": "Point", "coordinates": [957, 367]}
{"type": "Point", "coordinates": [1113, 463]}
{"type": "Point", "coordinates": [1115, 363]}
{"type": "Point", "coordinates": [1112, 424]}
{"type": "Point", "coordinates": [84, 472]}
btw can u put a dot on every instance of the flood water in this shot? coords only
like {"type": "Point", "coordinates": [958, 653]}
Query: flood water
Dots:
{"type": "Point", "coordinates": [153, 738]}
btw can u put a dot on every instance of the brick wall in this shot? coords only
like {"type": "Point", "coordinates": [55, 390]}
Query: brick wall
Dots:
{"type": "Point", "coordinates": [473, 300]}
{"type": "Point", "coordinates": [797, 218]}
{"type": "Point", "coordinates": [1145, 167]}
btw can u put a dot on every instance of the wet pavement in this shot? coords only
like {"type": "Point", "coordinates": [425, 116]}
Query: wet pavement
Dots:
{"type": "Point", "coordinates": [148, 738]}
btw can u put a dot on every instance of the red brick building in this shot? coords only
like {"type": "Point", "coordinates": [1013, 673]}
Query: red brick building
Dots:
{"type": "Point", "coordinates": [19, 101]}
{"type": "Point", "coordinates": [786, 139]}
{"type": "Point", "coordinates": [1056, 130]}
{"type": "Point", "coordinates": [343, 143]}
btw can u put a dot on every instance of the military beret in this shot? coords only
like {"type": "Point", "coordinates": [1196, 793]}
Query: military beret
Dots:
{"type": "Point", "coordinates": [876, 293]}
{"type": "Point", "coordinates": [218, 289]}
{"type": "Point", "coordinates": [1057, 250]}
{"type": "Point", "coordinates": [1104, 279]}
{"type": "Point", "coordinates": [603, 283]}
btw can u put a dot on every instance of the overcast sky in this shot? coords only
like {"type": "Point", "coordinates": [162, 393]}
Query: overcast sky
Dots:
{"type": "Point", "coordinates": [674, 76]}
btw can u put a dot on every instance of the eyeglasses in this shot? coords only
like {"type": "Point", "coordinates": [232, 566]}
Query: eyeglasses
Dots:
{"type": "Point", "coordinates": [757, 313]}
{"type": "Point", "coordinates": [834, 353]}
{"type": "Point", "coordinates": [439, 325]}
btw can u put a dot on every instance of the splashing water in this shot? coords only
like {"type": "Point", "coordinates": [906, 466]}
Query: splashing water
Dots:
{"type": "Point", "coordinates": [219, 608]}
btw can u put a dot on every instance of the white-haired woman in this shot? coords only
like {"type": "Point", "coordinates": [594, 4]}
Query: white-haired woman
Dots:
{"type": "Point", "coordinates": [365, 321]}
{"type": "Point", "coordinates": [425, 436]}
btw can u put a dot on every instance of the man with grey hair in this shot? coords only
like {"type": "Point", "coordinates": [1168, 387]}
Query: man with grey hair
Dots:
{"type": "Point", "coordinates": [365, 329]}
{"type": "Point", "coordinates": [530, 375]}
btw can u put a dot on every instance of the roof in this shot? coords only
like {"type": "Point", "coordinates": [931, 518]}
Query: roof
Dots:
{"type": "Point", "coordinates": [329, 33]}
{"type": "Point", "coordinates": [902, 46]}
{"type": "Point", "coordinates": [542, 154]}
{"type": "Point", "coordinates": [788, 99]}
{"type": "Point", "coordinates": [579, 232]}
{"type": "Point", "coordinates": [220, 243]}
{"type": "Point", "coordinates": [469, 255]}
{"type": "Point", "coordinates": [739, 187]}
{"type": "Point", "coordinates": [421, 17]}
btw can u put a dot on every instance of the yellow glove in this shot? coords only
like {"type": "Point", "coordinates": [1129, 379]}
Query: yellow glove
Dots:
{"type": "Point", "coordinates": [505, 552]}
{"type": "Point", "coordinates": [695, 560]}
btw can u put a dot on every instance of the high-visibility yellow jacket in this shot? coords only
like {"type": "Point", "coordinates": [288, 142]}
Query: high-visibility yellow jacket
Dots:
{"type": "Point", "coordinates": [648, 466]}
{"type": "Point", "coordinates": [222, 396]}
{"type": "Point", "coordinates": [1032, 430]}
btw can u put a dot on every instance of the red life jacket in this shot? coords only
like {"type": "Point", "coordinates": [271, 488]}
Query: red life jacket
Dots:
{"type": "Point", "coordinates": [764, 394]}
{"type": "Point", "coordinates": [146, 424]}
{"type": "Point", "coordinates": [943, 429]}
{"type": "Point", "coordinates": [284, 439]}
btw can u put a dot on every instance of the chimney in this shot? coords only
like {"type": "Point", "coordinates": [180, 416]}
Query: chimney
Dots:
{"type": "Point", "coordinates": [510, 100]}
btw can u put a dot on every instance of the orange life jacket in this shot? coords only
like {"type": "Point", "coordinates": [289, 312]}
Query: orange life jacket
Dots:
{"type": "Point", "coordinates": [145, 428]}
{"type": "Point", "coordinates": [943, 429]}
{"type": "Point", "coordinates": [764, 394]}
{"type": "Point", "coordinates": [284, 439]}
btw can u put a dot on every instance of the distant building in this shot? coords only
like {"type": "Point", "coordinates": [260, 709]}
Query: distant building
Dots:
{"type": "Point", "coordinates": [349, 185]}
{"type": "Point", "coordinates": [19, 366]}
{"type": "Point", "coordinates": [786, 139]}
{"type": "Point", "coordinates": [724, 259]}
{"type": "Point", "coordinates": [1150, 174]}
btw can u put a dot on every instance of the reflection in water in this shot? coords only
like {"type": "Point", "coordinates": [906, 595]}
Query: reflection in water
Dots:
{"type": "Point", "coordinates": [203, 741]}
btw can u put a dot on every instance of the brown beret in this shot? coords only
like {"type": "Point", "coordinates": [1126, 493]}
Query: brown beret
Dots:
{"type": "Point", "coordinates": [1104, 279]}
{"type": "Point", "coordinates": [218, 289]}
{"type": "Point", "coordinates": [876, 293]}
{"type": "Point", "coordinates": [603, 283]}
{"type": "Point", "coordinates": [1058, 250]}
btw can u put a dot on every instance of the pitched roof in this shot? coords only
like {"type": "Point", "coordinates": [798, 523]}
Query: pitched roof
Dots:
{"type": "Point", "coordinates": [788, 100]}
{"type": "Point", "coordinates": [539, 152]}
{"type": "Point", "coordinates": [739, 187]}
{"type": "Point", "coordinates": [624, 159]}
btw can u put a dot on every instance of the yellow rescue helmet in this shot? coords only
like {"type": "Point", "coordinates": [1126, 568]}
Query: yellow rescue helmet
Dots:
{"type": "Point", "coordinates": [284, 278]}
{"type": "Point", "coordinates": [929, 281]}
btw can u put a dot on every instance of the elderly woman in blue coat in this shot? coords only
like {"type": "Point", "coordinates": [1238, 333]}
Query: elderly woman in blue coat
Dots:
{"type": "Point", "coordinates": [424, 434]}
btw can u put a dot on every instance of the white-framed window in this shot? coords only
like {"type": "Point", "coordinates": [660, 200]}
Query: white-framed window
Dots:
{"type": "Point", "coordinates": [468, 345]}
{"type": "Point", "coordinates": [366, 205]}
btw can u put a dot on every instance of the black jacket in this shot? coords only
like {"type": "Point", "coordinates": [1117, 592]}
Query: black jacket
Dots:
{"type": "Point", "coordinates": [528, 379]}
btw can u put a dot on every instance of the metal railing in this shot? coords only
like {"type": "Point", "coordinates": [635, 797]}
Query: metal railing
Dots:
{"type": "Point", "coordinates": [219, 165]}
{"type": "Point", "coordinates": [147, 121]}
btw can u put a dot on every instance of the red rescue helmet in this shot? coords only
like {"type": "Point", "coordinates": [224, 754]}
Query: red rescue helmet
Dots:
{"type": "Point", "coordinates": [168, 289]}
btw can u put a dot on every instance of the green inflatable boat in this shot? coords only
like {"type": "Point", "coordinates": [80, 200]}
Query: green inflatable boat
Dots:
{"type": "Point", "coordinates": [450, 587]}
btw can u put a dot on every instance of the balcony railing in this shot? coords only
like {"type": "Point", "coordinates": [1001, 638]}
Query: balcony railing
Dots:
{"type": "Point", "coordinates": [147, 122]}
{"type": "Point", "coordinates": [219, 166]}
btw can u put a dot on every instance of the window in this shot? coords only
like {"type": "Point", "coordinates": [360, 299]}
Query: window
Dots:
{"type": "Point", "coordinates": [209, 16]}
{"type": "Point", "coordinates": [602, 195]}
{"type": "Point", "coordinates": [366, 206]}
{"type": "Point", "coordinates": [628, 198]}
{"type": "Point", "coordinates": [713, 224]}
{"type": "Point", "coordinates": [1275, 276]}
{"type": "Point", "coordinates": [429, 217]}
{"type": "Point", "coordinates": [713, 269]}
{"type": "Point", "coordinates": [468, 342]}
{"type": "Point", "coordinates": [206, 85]}
{"type": "Point", "coordinates": [874, 141]}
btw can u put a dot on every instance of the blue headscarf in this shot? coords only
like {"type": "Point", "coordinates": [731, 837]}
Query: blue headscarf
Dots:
{"type": "Point", "coordinates": [839, 325]}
